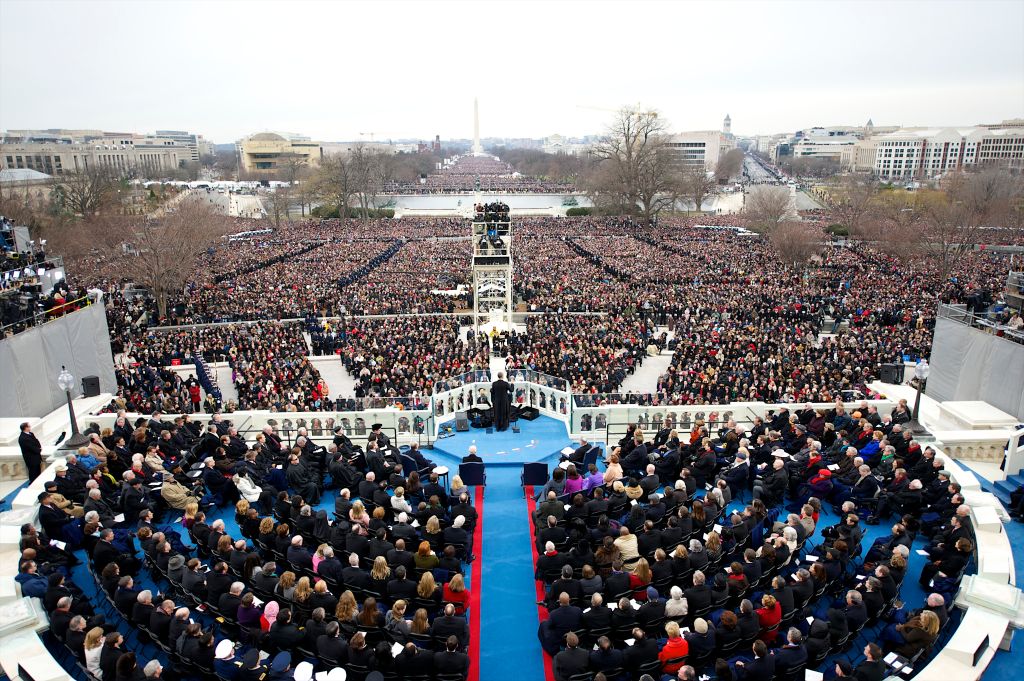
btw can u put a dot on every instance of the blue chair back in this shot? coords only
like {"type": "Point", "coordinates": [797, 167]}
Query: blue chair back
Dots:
{"type": "Point", "coordinates": [534, 473]}
{"type": "Point", "coordinates": [472, 473]}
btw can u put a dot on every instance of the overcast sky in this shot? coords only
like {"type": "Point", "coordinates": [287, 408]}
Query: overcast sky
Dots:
{"type": "Point", "coordinates": [334, 70]}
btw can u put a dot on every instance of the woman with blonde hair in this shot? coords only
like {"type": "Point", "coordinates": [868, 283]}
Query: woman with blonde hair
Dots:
{"type": "Point", "coordinates": [189, 517]}
{"type": "Point", "coordinates": [347, 608]}
{"type": "Point", "coordinates": [395, 622]}
{"type": "Point", "coordinates": [432, 533]}
{"type": "Point", "coordinates": [241, 510]}
{"type": "Point", "coordinates": [357, 514]}
{"type": "Point", "coordinates": [640, 579]}
{"type": "Point", "coordinates": [266, 535]}
{"type": "Point", "coordinates": [93, 648]}
{"type": "Point", "coordinates": [302, 590]}
{"type": "Point", "coordinates": [768, 616]}
{"type": "Point", "coordinates": [458, 487]}
{"type": "Point", "coordinates": [455, 592]}
{"type": "Point", "coordinates": [917, 634]}
{"type": "Point", "coordinates": [399, 504]}
{"type": "Point", "coordinates": [318, 556]}
{"type": "Point", "coordinates": [380, 574]}
{"type": "Point", "coordinates": [427, 589]}
{"type": "Point", "coordinates": [614, 470]}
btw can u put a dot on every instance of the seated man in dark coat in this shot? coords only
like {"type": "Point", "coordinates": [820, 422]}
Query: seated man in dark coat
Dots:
{"type": "Point", "coordinates": [449, 624]}
{"type": "Point", "coordinates": [571, 661]}
{"type": "Point", "coordinates": [563, 619]}
{"type": "Point", "coordinates": [451, 660]}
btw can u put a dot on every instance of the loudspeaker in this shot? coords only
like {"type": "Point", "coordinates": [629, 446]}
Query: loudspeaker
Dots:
{"type": "Point", "coordinates": [461, 422]}
{"type": "Point", "coordinates": [528, 413]}
{"type": "Point", "coordinates": [90, 386]}
{"type": "Point", "coordinates": [891, 373]}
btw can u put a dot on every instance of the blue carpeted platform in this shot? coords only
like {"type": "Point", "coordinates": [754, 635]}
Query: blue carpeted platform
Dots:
{"type": "Point", "coordinates": [536, 440]}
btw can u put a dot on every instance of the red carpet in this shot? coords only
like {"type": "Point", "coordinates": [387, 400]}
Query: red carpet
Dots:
{"type": "Point", "coordinates": [476, 587]}
{"type": "Point", "coordinates": [542, 612]}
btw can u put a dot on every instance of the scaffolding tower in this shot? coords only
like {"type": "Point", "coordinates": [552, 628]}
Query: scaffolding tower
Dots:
{"type": "Point", "coordinates": [492, 267]}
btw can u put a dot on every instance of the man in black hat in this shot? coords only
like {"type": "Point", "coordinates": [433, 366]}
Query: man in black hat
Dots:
{"type": "Point", "coordinates": [501, 402]}
{"type": "Point", "coordinates": [252, 668]}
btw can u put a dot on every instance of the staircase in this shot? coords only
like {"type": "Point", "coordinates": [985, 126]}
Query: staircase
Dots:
{"type": "Point", "coordinates": [1002, 488]}
{"type": "Point", "coordinates": [207, 378]}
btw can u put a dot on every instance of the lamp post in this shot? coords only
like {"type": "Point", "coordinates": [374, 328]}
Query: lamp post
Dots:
{"type": "Point", "coordinates": [921, 372]}
{"type": "Point", "coordinates": [66, 382]}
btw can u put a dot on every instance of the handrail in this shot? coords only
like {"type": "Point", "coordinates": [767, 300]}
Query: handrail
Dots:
{"type": "Point", "coordinates": [962, 315]}
{"type": "Point", "coordinates": [86, 301]}
{"type": "Point", "coordinates": [10, 265]}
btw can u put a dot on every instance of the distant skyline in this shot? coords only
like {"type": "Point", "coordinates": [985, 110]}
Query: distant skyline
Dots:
{"type": "Point", "coordinates": [340, 71]}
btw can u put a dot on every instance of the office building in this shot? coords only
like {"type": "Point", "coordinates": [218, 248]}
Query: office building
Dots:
{"type": "Point", "coordinates": [921, 153]}
{"type": "Point", "coordinates": [57, 151]}
{"type": "Point", "coordinates": [700, 148]}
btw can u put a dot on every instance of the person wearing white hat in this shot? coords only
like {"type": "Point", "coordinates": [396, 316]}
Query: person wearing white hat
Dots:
{"type": "Point", "coordinates": [224, 663]}
{"type": "Point", "coordinates": [303, 672]}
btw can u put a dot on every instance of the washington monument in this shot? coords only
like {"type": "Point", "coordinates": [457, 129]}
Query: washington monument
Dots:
{"type": "Point", "coordinates": [477, 149]}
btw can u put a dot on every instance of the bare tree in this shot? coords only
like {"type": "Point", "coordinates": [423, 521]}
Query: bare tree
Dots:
{"type": "Point", "coordinates": [766, 208]}
{"type": "Point", "coordinates": [335, 182]}
{"type": "Point", "coordinates": [370, 170]}
{"type": "Point", "coordinates": [796, 242]}
{"type": "Point", "coordinates": [634, 166]}
{"type": "Point", "coordinates": [729, 165]}
{"type": "Point", "coordinates": [697, 185]}
{"type": "Point", "coordinates": [854, 202]}
{"type": "Point", "coordinates": [277, 202]}
{"type": "Point", "coordinates": [163, 250]}
{"type": "Point", "coordinates": [956, 218]}
{"type": "Point", "coordinates": [86, 192]}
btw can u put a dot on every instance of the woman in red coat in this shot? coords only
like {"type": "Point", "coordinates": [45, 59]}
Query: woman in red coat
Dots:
{"type": "Point", "coordinates": [769, 615]}
{"type": "Point", "coordinates": [455, 592]}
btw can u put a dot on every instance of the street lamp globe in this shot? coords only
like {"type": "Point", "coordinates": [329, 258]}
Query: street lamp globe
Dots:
{"type": "Point", "coordinates": [66, 381]}
{"type": "Point", "coordinates": [922, 370]}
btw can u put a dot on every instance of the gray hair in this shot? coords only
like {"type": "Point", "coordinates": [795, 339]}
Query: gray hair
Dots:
{"type": "Point", "coordinates": [152, 668]}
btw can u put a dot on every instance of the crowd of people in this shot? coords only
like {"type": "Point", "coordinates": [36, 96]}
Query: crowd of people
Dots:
{"type": "Point", "coordinates": [377, 586]}
{"type": "Point", "coordinates": [477, 173]}
{"type": "Point", "coordinates": [643, 571]}
{"type": "Point", "coordinates": [811, 333]}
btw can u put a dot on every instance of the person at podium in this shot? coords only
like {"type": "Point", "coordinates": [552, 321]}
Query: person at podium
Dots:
{"type": "Point", "coordinates": [501, 401]}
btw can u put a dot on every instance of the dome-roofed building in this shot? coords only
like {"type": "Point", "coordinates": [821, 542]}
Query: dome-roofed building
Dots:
{"type": "Point", "coordinates": [266, 154]}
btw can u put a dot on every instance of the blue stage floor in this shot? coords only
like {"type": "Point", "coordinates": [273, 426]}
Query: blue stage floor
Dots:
{"type": "Point", "coordinates": [537, 440]}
